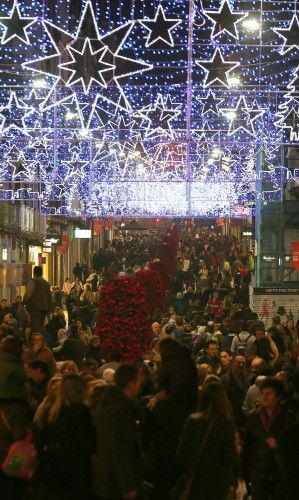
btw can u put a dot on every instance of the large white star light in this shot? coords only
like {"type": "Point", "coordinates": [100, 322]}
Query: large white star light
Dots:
{"type": "Point", "coordinates": [81, 73]}
{"type": "Point", "coordinates": [225, 19]}
{"type": "Point", "coordinates": [16, 26]}
{"type": "Point", "coordinates": [290, 35]}
{"type": "Point", "coordinates": [14, 115]}
{"type": "Point", "coordinates": [217, 69]}
{"type": "Point", "coordinates": [160, 28]}
{"type": "Point", "coordinates": [94, 60]}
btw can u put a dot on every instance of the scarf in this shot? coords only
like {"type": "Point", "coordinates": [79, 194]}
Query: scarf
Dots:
{"type": "Point", "coordinates": [268, 420]}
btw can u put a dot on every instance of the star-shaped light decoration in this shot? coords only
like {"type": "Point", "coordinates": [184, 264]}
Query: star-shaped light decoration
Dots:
{"type": "Point", "coordinates": [107, 65]}
{"type": "Point", "coordinates": [14, 115]}
{"type": "Point", "coordinates": [33, 100]}
{"type": "Point", "coordinates": [210, 103]}
{"type": "Point", "coordinates": [225, 19]}
{"type": "Point", "coordinates": [38, 139]}
{"type": "Point", "coordinates": [16, 26]}
{"type": "Point", "coordinates": [21, 170]}
{"type": "Point", "coordinates": [87, 66]}
{"type": "Point", "coordinates": [159, 117]}
{"type": "Point", "coordinates": [240, 117]}
{"type": "Point", "coordinates": [160, 28]}
{"type": "Point", "coordinates": [217, 69]}
{"type": "Point", "coordinates": [74, 169]}
{"type": "Point", "coordinates": [290, 35]}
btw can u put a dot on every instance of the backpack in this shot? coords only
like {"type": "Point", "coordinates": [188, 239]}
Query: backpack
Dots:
{"type": "Point", "coordinates": [21, 458]}
{"type": "Point", "coordinates": [242, 345]}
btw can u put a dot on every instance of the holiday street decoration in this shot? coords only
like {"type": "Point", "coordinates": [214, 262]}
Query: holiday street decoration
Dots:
{"type": "Point", "coordinates": [147, 108]}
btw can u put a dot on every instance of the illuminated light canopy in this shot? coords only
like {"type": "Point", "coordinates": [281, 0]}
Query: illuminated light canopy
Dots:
{"type": "Point", "coordinates": [113, 108]}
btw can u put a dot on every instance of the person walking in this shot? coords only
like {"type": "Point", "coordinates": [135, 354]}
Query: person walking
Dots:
{"type": "Point", "coordinates": [38, 300]}
{"type": "Point", "coordinates": [207, 451]}
{"type": "Point", "coordinates": [117, 461]}
{"type": "Point", "coordinates": [65, 440]}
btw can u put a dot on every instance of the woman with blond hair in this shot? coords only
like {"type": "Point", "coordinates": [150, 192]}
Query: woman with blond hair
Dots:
{"type": "Point", "coordinates": [69, 367]}
{"type": "Point", "coordinates": [50, 398]}
{"type": "Point", "coordinates": [65, 442]}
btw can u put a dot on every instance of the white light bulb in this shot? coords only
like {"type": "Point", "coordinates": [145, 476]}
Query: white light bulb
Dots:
{"type": "Point", "coordinates": [84, 132]}
{"type": "Point", "coordinates": [39, 83]}
{"type": "Point", "coordinates": [70, 115]}
{"type": "Point", "coordinates": [251, 24]}
{"type": "Point", "coordinates": [216, 152]}
{"type": "Point", "coordinates": [231, 115]}
{"type": "Point", "coordinates": [234, 81]}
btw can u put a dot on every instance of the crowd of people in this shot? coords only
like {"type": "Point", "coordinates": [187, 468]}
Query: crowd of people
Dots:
{"type": "Point", "coordinates": [209, 412]}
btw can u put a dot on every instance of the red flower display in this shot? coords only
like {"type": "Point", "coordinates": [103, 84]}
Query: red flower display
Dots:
{"type": "Point", "coordinates": [125, 303]}
{"type": "Point", "coordinates": [122, 322]}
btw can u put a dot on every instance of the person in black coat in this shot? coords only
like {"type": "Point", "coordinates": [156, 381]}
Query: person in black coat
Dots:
{"type": "Point", "coordinates": [288, 446]}
{"type": "Point", "coordinates": [263, 430]}
{"type": "Point", "coordinates": [15, 414]}
{"type": "Point", "coordinates": [177, 398]}
{"type": "Point", "coordinates": [213, 471]}
{"type": "Point", "coordinates": [94, 350]}
{"type": "Point", "coordinates": [117, 461]}
{"type": "Point", "coordinates": [65, 440]}
{"type": "Point", "coordinates": [74, 347]}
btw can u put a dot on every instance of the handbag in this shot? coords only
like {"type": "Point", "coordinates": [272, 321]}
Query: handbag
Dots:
{"type": "Point", "coordinates": [21, 458]}
{"type": "Point", "coordinates": [186, 493]}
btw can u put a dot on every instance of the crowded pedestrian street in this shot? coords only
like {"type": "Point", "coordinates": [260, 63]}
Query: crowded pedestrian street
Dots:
{"type": "Point", "coordinates": [149, 250]}
{"type": "Point", "coordinates": [149, 378]}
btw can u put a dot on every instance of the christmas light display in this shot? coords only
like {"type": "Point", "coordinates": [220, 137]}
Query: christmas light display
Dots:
{"type": "Point", "coordinates": [147, 107]}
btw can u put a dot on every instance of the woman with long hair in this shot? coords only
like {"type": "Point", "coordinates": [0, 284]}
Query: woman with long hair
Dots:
{"type": "Point", "coordinates": [207, 450]}
{"type": "Point", "coordinates": [65, 442]}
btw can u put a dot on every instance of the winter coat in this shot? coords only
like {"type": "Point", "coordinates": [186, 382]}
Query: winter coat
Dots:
{"type": "Point", "coordinates": [117, 461]}
{"type": "Point", "coordinates": [73, 349]}
{"type": "Point", "coordinates": [178, 377]}
{"type": "Point", "coordinates": [12, 376]}
{"type": "Point", "coordinates": [215, 473]}
{"type": "Point", "coordinates": [65, 447]}
{"type": "Point", "coordinates": [38, 295]}
{"type": "Point", "coordinates": [236, 394]}
{"type": "Point", "coordinates": [260, 460]}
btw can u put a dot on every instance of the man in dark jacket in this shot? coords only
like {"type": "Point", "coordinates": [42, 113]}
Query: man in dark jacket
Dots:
{"type": "Point", "coordinates": [263, 430]}
{"type": "Point", "coordinates": [236, 387]}
{"type": "Point", "coordinates": [117, 461]}
{"type": "Point", "coordinates": [74, 347]}
{"type": "Point", "coordinates": [38, 300]}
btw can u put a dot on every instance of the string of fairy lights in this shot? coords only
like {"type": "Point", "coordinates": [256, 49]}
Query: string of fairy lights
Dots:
{"type": "Point", "coordinates": [112, 108]}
